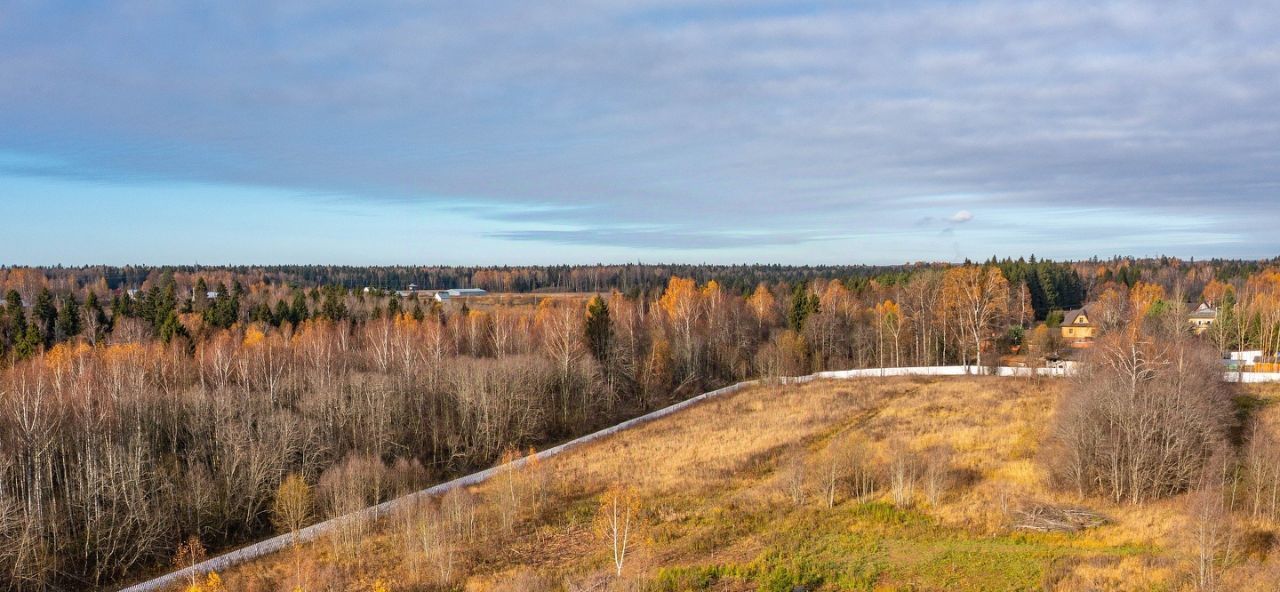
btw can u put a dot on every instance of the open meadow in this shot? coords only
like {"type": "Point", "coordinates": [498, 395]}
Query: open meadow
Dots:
{"type": "Point", "coordinates": [870, 484]}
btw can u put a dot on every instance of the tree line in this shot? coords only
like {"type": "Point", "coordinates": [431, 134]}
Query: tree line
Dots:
{"type": "Point", "coordinates": [135, 422]}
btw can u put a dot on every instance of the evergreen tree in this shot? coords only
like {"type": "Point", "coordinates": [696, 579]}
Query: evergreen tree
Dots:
{"type": "Point", "coordinates": [262, 314]}
{"type": "Point", "coordinates": [298, 312]}
{"type": "Point", "coordinates": [68, 323]}
{"type": "Point", "coordinates": [282, 314]}
{"type": "Point", "coordinates": [13, 325]}
{"type": "Point", "coordinates": [30, 342]}
{"type": "Point", "coordinates": [598, 328]}
{"type": "Point", "coordinates": [46, 317]}
{"type": "Point", "coordinates": [170, 327]}
{"type": "Point", "coordinates": [160, 303]}
{"type": "Point", "coordinates": [98, 317]}
{"type": "Point", "coordinates": [333, 307]}
{"type": "Point", "coordinates": [418, 314]}
{"type": "Point", "coordinates": [802, 305]}
{"type": "Point", "coordinates": [200, 296]}
{"type": "Point", "coordinates": [224, 311]}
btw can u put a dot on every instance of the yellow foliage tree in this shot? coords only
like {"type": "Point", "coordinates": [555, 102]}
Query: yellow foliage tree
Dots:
{"type": "Point", "coordinates": [292, 505]}
{"type": "Point", "coordinates": [1141, 297]}
{"type": "Point", "coordinates": [253, 336]}
{"type": "Point", "coordinates": [762, 303]}
{"type": "Point", "coordinates": [977, 296]}
{"type": "Point", "coordinates": [889, 317]}
{"type": "Point", "coordinates": [681, 301]}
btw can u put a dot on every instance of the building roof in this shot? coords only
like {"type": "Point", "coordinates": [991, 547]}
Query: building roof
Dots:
{"type": "Point", "coordinates": [1072, 317]}
{"type": "Point", "coordinates": [1204, 311]}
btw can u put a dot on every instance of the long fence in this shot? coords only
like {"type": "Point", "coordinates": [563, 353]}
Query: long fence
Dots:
{"type": "Point", "coordinates": [315, 531]}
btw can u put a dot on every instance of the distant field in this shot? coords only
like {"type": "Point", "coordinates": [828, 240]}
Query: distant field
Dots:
{"type": "Point", "coordinates": [732, 497]}
{"type": "Point", "coordinates": [517, 299]}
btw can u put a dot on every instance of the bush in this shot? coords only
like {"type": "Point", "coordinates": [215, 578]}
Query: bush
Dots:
{"type": "Point", "coordinates": [1140, 419]}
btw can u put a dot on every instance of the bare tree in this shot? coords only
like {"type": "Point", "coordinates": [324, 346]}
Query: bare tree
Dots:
{"type": "Point", "coordinates": [1139, 418]}
{"type": "Point", "coordinates": [795, 477]}
{"type": "Point", "coordinates": [903, 469]}
{"type": "Point", "coordinates": [1211, 524]}
{"type": "Point", "coordinates": [936, 476]}
{"type": "Point", "coordinates": [618, 523]}
{"type": "Point", "coordinates": [1262, 471]}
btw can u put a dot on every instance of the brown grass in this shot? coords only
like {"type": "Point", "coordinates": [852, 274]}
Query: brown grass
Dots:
{"type": "Point", "coordinates": [712, 481]}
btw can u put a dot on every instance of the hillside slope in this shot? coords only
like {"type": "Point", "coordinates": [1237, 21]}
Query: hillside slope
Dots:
{"type": "Point", "coordinates": [735, 494]}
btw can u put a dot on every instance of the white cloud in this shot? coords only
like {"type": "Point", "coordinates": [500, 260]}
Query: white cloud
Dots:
{"type": "Point", "coordinates": [666, 113]}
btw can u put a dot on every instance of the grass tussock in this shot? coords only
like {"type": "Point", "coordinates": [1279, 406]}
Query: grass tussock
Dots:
{"type": "Point", "coordinates": [741, 493]}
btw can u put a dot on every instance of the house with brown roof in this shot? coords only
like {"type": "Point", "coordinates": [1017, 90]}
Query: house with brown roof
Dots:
{"type": "Point", "coordinates": [1078, 330]}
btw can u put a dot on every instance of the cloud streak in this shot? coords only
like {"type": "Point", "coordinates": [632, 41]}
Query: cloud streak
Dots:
{"type": "Point", "coordinates": [772, 122]}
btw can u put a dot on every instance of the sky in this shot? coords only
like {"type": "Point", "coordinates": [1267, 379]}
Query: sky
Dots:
{"type": "Point", "coordinates": [583, 131]}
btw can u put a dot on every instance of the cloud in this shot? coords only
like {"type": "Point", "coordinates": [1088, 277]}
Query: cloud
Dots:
{"type": "Point", "coordinates": [663, 239]}
{"type": "Point", "coordinates": [806, 121]}
{"type": "Point", "coordinates": [961, 217]}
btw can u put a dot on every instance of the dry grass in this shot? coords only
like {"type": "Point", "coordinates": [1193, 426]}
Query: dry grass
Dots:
{"type": "Point", "coordinates": [717, 484]}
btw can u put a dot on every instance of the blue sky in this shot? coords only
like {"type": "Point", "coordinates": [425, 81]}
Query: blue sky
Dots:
{"type": "Point", "coordinates": [655, 130]}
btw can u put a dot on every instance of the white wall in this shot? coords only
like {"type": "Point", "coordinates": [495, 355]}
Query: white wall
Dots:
{"type": "Point", "coordinates": [315, 531]}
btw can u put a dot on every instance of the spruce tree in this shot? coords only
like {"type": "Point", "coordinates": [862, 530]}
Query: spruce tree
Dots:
{"type": "Point", "coordinates": [200, 296]}
{"type": "Point", "coordinates": [802, 305]}
{"type": "Point", "coordinates": [282, 314]}
{"type": "Point", "coordinates": [14, 322]}
{"type": "Point", "coordinates": [46, 317]}
{"type": "Point", "coordinates": [299, 312]}
{"type": "Point", "coordinates": [598, 328]}
{"type": "Point", "coordinates": [68, 323]}
{"type": "Point", "coordinates": [30, 342]}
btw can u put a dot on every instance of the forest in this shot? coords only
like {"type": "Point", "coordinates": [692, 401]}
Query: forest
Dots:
{"type": "Point", "coordinates": [144, 407]}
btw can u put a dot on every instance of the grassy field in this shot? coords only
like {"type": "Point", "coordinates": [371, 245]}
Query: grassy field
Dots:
{"type": "Point", "coordinates": [731, 496]}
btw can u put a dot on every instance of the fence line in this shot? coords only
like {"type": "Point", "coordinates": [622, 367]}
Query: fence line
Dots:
{"type": "Point", "coordinates": [315, 531]}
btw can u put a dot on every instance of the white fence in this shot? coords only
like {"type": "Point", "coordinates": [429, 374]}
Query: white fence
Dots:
{"type": "Point", "coordinates": [1251, 376]}
{"type": "Point", "coordinates": [315, 531]}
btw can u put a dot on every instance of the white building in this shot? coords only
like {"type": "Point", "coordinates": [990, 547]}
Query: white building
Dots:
{"type": "Point", "coordinates": [445, 295]}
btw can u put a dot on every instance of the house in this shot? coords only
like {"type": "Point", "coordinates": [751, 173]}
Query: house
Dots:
{"type": "Point", "coordinates": [1202, 318]}
{"type": "Point", "coordinates": [446, 295]}
{"type": "Point", "coordinates": [1078, 330]}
